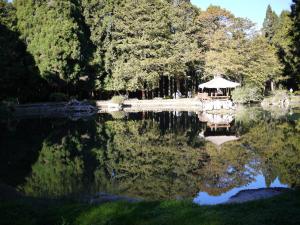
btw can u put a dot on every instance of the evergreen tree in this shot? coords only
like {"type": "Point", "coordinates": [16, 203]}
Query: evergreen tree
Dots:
{"type": "Point", "coordinates": [54, 37]}
{"type": "Point", "coordinates": [19, 77]}
{"type": "Point", "coordinates": [270, 23]}
{"type": "Point", "coordinates": [139, 48]}
{"type": "Point", "coordinates": [282, 41]}
{"type": "Point", "coordinates": [185, 50]}
{"type": "Point", "coordinates": [296, 41]}
{"type": "Point", "coordinates": [91, 46]}
{"type": "Point", "coordinates": [98, 17]}
{"type": "Point", "coordinates": [136, 52]}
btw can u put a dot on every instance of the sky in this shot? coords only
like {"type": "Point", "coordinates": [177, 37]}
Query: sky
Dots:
{"type": "Point", "coordinates": [255, 10]}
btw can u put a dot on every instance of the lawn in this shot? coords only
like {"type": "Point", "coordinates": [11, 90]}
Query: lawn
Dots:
{"type": "Point", "coordinates": [281, 210]}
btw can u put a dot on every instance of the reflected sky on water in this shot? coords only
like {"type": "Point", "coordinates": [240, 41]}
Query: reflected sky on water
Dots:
{"type": "Point", "coordinates": [203, 198]}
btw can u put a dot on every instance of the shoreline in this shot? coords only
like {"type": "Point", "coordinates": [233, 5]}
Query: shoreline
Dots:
{"type": "Point", "coordinates": [130, 105]}
{"type": "Point", "coordinates": [9, 193]}
{"type": "Point", "coordinates": [90, 108]}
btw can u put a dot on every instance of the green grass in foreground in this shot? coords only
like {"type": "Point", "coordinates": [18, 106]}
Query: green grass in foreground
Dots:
{"type": "Point", "coordinates": [281, 210]}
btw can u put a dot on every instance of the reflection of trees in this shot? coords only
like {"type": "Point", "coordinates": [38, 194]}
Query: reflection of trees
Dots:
{"type": "Point", "coordinates": [20, 142]}
{"type": "Point", "coordinates": [144, 158]}
{"type": "Point", "coordinates": [246, 116]}
{"type": "Point", "coordinates": [55, 174]}
{"type": "Point", "coordinates": [226, 168]}
{"type": "Point", "coordinates": [278, 147]}
{"type": "Point", "coordinates": [142, 162]}
{"type": "Point", "coordinates": [65, 164]}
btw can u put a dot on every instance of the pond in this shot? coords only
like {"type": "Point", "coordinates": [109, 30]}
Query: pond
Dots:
{"type": "Point", "coordinates": [202, 157]}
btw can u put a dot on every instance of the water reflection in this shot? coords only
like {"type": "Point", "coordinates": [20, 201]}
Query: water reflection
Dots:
{"type": "Point", "coordinates": [203, 198]}
{"type": "Point", "coordinates": [218, 128]}
{"type": "Point", "coordinates": [166, 155]}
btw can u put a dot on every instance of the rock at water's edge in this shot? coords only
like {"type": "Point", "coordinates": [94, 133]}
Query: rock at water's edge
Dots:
{"type": "Point", "coordinates": [256, 194]}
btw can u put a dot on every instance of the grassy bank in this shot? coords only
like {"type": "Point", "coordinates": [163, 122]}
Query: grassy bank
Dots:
{"type": "Point", "coordinates": [281, 210]}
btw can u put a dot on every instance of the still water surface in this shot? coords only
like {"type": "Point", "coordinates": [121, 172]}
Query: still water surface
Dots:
{"type": "Point", "coordinates": [206, 158]}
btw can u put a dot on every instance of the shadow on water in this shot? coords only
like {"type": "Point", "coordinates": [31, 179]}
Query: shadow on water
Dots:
{"type": "Point", "coordinates": [166, 155]}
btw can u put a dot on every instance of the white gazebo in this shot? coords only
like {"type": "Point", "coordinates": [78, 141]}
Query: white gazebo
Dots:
{"type": "Point", "coordinates": [217, 84]}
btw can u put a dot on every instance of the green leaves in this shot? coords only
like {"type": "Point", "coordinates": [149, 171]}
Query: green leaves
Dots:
{"type": "Point", "coordinates": [296, 42]}
{"type": "Point", "coordinates": [54, 174]}
{"type": "Point", "coordinates": [125, 45]}
{"type": "Point", "coordinates": [270, 24]}
{"type": "Point", "coordinates": [235, 50]}
{"type": "Point", "coordinates": [139, 47]}
{"type": "Point", "coordinates": [53, 37]}
{"type": "Point", "coordinates": [247, 94]}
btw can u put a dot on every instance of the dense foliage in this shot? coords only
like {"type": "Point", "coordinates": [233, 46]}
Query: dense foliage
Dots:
{"type": "Point", "coordinates": [89, 48]}
{"type": "Point", "coordinates": [282, 32]}
{"type": "Point", "coordinates": [247, 94]}
{"type": "Point", "coordinates": [295, 31]}
{"type": "Point", "coordinates": [19, 76]}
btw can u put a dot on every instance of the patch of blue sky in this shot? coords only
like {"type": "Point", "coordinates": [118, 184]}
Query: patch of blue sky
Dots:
{"type": "Point", "coordinates": [255, 10]}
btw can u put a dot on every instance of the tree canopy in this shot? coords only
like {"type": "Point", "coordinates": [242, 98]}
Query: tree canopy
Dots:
{"type": "Point", "coordinates": [270, 24]}
{"type": "Point", "coordinates": [296, 41]}
{"type": "Point", "coordinates": [90, 48]}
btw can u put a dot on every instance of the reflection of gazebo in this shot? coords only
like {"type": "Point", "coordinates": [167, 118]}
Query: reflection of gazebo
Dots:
{"type": "Point", "coordinates": [219, 140]}
{"type": "Point", "coordinates": [217, 88]}
{"type": "Point", "coordinates": [217, 122]}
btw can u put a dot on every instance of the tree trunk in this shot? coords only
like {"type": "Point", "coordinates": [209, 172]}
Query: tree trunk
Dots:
{"type": "Point", "coordinates": [162, 94]}
{"type": "Point", "coordinates": [143, 94]}
{"type": "Point", "coordinates": [170, 86]}
{"type": "Point", "coordinates": [272, 86]}
{"type": "Point", "coordinates": [178, 84]}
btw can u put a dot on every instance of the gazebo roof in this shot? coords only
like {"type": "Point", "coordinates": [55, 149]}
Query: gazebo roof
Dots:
{"type": "Point", "coordinates": [219, 82]}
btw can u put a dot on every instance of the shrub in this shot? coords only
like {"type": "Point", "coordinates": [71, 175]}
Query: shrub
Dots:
{"type": "Point", "coordinates": [58, 97]}
{"type": "Point", "coordinates": [119, 99]}
{"type": "Point", "coordinates": [247, 94]}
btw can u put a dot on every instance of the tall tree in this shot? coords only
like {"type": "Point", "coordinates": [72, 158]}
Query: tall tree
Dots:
{"type": "Point", "coordinates": [185, 50]}
{"type": "Point", "coordinates": [296, 40]}
{"type": "Point", "coordinates": [137, 48]}
{"type": "Point", "coordinates": [19, 77]}
{"type": "Point", "coordinates": [214, 26]}
{"type": "Point", "coordinates": [54, 37]}
{"type": "Point", "coordinates": [98, 17]}
{"type": "Point", "coordinates": [282, 41]}
{"type": "Point", "coordinates": [262, 64]}
{"type": "Point", "coordinates": [235, 50]}
{"type": "Point", "coordinates": [270, 23]}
